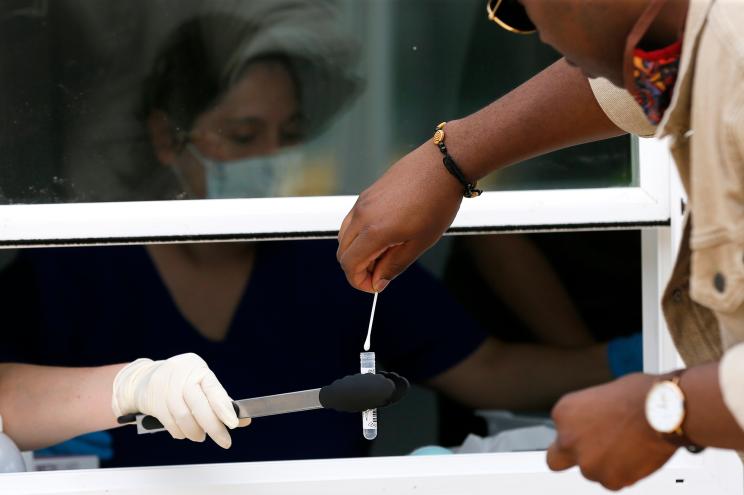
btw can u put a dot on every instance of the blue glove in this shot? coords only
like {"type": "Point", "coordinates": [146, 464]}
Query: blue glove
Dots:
{"type": "Point", "coordinates": [625, 355]}
{"type": "Point", "coordinates": [98, 444]}
{"type": "Point", "coordinates": [431, 450]}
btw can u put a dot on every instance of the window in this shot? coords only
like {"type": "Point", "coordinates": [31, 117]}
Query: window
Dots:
{"type": "Point", "coordinates": [102, 145]}
{"type": "Point", "coordinates": [117, 134]}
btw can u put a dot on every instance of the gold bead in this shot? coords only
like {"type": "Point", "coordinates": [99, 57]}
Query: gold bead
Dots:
{"type": "Point", "coordinates": [438, 136]}
{"type": "Point", "coordinates": [441, 126]}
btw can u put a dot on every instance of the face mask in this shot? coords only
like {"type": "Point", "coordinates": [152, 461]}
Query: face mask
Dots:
{"type": "Point", "coordinates": [259, 177]}
{"type": "Point", "coordinates": [654, 78]}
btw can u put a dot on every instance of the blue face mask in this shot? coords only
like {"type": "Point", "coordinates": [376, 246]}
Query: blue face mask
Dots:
{"type": "Point", "coordinates": [259, 177]}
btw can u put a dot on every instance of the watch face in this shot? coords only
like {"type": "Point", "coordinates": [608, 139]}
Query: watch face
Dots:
{"type": "Point", "coordinates": [665, 407]}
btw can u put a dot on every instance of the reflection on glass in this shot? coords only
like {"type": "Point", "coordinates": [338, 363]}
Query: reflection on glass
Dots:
{"type": "Point", "coordinates": [166, 99]}
{"type": "Point", "coordinates": [437, 80]}
{"type": "Point", "coordinates": [223, 103]}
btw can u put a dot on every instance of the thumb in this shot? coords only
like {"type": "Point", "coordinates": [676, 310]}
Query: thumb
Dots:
{"type": "Point", "coordinates": [393, 262]}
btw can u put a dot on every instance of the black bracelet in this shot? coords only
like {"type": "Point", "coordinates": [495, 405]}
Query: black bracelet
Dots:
{"type": "Point", "coordinates": [470, 188]}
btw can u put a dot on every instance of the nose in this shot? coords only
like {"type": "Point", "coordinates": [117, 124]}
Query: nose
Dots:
{"type": "Point", "coordinates": [272, 142]}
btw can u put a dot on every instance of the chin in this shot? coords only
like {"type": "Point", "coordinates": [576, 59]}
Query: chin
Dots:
{"type": "Point", "coordinates": [617, 81]}
{"type": "Point", "coordinates": [588, 74]}
{"type": "Point", "coordinates": [615, 78]}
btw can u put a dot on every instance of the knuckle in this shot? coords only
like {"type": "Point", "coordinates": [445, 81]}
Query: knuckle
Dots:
{"type": "Point", "coordinates": [565, 442]}
{"type": "Point", "coordinates": [613, 482]}
{"type": "Point", "coordinates": [589, 472]}
{"type": "Point", "coordinates": [559, 410]}
{"type": "Point", "coordinates": [175, 433]}
{"type": "Point", "coordinates": [181, 416]}
{"type": "Point", "coordinates": [553, 461]}
{"type": "Point", "coordinates": [347, 266]}
{"type": "Point", "coordinates": [183, 359]}
{"type": "Point", "coordinates": [613, 486]}
{"type": "Point", "coordinates": [361, 209]}
{"type": "Point", "coordinates": [195, 358]}
{"type": "Point", "coordinates": [363, 200]}
{"type": "Point", "coordinates": [616, 479]}
{"type": "Point", "coordinates": [555, 413]}
{"type": "Point", "coordinates": [371, 230]}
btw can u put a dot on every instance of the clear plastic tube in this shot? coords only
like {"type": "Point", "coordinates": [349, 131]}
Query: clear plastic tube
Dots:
{"type": "Point", "coordinates": [369, 417]}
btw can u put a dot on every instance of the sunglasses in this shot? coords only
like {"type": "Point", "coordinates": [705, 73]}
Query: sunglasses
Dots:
{"type": "Point", "coordinates": [510, 15]}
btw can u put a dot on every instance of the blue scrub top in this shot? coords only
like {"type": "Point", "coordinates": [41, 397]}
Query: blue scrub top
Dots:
{"type": "Point", "coordinates": [299, 325]}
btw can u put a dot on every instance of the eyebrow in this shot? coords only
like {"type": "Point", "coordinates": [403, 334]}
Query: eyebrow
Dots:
{"type": "Point", "coordinates": [246, 120]}
{"type": "Point", "coordinates": [298, 116]}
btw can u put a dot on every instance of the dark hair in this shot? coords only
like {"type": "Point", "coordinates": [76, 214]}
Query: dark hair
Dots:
{"type": "Point", "coordinates": [190, 73]}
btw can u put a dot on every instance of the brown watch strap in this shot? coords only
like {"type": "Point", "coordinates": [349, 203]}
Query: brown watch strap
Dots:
{"type": "Point", "coordinates": [681, 440]}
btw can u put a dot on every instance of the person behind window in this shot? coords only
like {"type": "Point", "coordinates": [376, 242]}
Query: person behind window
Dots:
{"type": "Point", "coordinates": [556, 289]}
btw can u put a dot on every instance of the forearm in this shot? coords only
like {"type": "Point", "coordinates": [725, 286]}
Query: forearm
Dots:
{"type": "Point", "coordinates": [709, 422]}
{"type": "Point", "coordinates": [522, 376]}
{"type": "Point", "coordinates": [519, 274]}
{"type": "Point", "coordinates": [43, 405]}
{"type": "Point", "coordinates": [553, 110]}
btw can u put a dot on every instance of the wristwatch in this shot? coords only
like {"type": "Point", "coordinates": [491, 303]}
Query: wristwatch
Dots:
{"type": "Point", "coordinates": [666, 412]}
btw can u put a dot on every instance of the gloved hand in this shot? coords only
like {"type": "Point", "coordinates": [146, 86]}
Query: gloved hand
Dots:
{"type": "Point", "coordinates": [182, 392]}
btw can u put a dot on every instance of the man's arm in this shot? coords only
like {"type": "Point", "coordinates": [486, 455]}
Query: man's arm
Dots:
{"type": "Point", "coordinates": [43, 405]}
{"type": "Point", "coordinates": [415, 201]}
{"type": "Point", "coordinates": [709, 422]}
{"type": "Point", "coordinates": [629, 449]}
{"type": "Point", "coordinates": [522, 376]}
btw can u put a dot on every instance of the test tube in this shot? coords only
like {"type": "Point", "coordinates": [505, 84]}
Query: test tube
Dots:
{"type": "Point", "coordinates": [369, 417]}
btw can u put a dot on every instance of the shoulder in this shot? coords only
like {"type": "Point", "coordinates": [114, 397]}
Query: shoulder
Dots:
{"type": "Point", "coordinates": [726, 19]}
{"type": "Point", "coordinates": [720, 76]}
{"type": "Point", "coordinates": [79, 261]}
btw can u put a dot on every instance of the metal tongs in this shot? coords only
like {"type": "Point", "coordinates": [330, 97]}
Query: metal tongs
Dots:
{"type": "Point", "coordinates": [353, 393]}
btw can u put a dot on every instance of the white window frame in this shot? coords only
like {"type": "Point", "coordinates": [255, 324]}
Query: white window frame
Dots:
{"type": "Point", "coordinates": [652, 206]}
{"type": "Point", "coordinates": [646, 205]}
{"type": "Point", "coordinates": [480, 474]}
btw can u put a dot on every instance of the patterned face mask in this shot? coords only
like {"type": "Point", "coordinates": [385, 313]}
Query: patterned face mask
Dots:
{"type": "Point", "coordinates": [654, 77]}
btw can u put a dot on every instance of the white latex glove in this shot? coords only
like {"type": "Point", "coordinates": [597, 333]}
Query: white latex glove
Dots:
{"type": "Point", "coordinates": [182, 392]}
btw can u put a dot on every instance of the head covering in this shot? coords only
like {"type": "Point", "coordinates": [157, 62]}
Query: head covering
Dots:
{"type": "Point", "coordinates": [309, 34]}
{"type": "Point", "coordinates": [110, 156]}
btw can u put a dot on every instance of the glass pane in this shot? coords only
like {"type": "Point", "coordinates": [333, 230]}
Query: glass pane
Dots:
{"type": "Point", "coordinates": [473, 326]}
{"type": "Point", "coordinates": [168, 99]}
{"type": "Point", "coordinates": [451, 62]}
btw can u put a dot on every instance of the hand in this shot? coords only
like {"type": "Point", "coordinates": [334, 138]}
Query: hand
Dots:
{"type": "Point", "coordinates": [604, 431]}
{"type": "Point", "coordinates": [398, 218]}
{"type": "Point", "coordinates": [182, 393]}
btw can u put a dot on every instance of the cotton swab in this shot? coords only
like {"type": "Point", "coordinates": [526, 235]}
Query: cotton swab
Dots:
{"type": "Point", "coordinates": [368, 342]}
